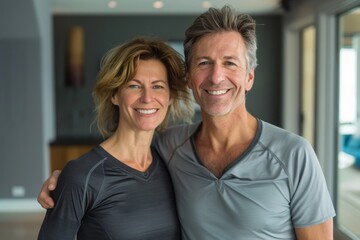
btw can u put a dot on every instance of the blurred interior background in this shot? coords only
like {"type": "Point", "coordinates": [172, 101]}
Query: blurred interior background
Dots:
{"type": "Point", "coordinates": [307, 82]}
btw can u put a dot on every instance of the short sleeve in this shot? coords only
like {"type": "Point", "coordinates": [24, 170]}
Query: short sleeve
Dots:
{"type": "Point", "coordinates": [310, 200]}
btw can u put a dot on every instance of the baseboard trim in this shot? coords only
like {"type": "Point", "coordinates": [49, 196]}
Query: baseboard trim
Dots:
{"type": "Point", "coordinates": [20, 205]}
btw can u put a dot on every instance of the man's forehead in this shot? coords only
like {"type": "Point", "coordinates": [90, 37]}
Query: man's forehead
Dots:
{"type": "Point", "coordinates": [228, 41]}
{"type": "Point", "coordinates": [226, 51]}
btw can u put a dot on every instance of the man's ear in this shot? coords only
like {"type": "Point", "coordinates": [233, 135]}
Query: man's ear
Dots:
{"type": "Point", "coordinates": [250, 80]}
{"type": "Point", "coordinates": [188, 82]}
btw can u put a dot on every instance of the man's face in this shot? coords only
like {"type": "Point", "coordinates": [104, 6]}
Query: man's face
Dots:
{"type": "Point", "coordinates": [217, 74]}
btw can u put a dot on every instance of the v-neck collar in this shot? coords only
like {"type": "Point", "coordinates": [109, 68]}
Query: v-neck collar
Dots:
{"type": "Point", "coordinates": [237, 159]}
{"type": "Point", "coordinates": [119, 164]}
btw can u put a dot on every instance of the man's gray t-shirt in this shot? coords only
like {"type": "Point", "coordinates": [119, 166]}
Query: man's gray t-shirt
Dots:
{"type": "Point", "coordinates": [274, 186]}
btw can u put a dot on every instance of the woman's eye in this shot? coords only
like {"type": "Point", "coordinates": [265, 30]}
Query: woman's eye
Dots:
{"type": "Point", "coordinates": [133, 86]}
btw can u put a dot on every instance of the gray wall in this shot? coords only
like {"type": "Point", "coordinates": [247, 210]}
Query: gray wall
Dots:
{"type": "Point", "coordinates": [74, 105]}
{"type": "Point", "coordinates": [30, 76]}
{"type": "Point", "coordinates": [25, 128]}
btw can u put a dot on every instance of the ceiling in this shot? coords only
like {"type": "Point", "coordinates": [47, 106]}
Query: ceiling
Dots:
{"type": "Point", "coordinates": [136, 7]}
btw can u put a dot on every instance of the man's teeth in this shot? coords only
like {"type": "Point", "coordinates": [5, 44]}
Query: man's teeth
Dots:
{"type": "Point", "coordinates": [217, 92]}
{"type": "Point", "coordinates": [146, 111]}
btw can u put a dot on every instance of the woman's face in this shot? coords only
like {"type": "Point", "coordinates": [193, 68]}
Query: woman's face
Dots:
{"type": "Point", "coordinates": [143, 101]}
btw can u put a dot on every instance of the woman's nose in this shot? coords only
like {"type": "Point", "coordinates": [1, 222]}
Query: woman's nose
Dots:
{"type": "Point", "coordinates": [146, 95]}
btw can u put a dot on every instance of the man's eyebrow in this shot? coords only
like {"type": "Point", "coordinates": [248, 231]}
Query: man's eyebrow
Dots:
{"type": "Point", "coordinates": [202, 57]}
{"type": "Point", "coordinates": [232, 57]}
{"type": "Point", "coordinates": [225, 57]}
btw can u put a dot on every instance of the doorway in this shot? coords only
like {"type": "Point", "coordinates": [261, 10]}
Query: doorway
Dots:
{"type": "Point", "coordinates": [348, 166]}
{"type": "Point", "coordinates": [307, 117]}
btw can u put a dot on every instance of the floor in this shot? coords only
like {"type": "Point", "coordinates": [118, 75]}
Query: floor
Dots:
{"type": "Point", "coordinates": [25, 226]}
{"type": "Point", "coordinates": [348, 212]}
{"type": "Point", "coordinates": [20, 226]}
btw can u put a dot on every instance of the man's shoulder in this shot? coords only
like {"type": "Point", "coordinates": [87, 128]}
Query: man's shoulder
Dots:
{"type": "Point", "coordinates": [288, 147]}
{"type": "Point", "coordinates": [173, 138]}
{"type": "Point", "coordinates": [183, 128]}
{"type": "Point", "coordinates": [179, 133]}
{"type": "Point", "coordinates": [272, 134]}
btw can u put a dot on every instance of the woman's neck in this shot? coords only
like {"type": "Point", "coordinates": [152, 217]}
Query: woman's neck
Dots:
{"type": "Point", "coordinates": [130, 147]}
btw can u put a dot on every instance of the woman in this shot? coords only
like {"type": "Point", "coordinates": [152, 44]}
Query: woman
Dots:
{"type": "Point", "coordinates": [121, 189]}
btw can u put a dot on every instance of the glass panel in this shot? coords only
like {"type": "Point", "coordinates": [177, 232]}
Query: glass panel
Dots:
{"type": "Point", "coordinates": [348, 209]}
{"type": "Point", "coordinates": [308, 83]}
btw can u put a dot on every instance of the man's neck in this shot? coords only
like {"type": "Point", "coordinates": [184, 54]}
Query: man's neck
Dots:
{"type": "Point", "coordinates": [220, 141]}
{"type": "Point", "coordinates": [220, 132]}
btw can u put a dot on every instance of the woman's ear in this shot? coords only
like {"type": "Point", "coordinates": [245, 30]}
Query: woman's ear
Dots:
{"type": "Point", "coordinates": [115, 100]}
{"type": "Point", "coordinates": [170, 101]}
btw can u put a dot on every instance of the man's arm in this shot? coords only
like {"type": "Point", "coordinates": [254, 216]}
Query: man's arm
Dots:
{"type": "Point", "coordinates": [322, 231]}
{"type": "Point", "coordinates": [49, 185]}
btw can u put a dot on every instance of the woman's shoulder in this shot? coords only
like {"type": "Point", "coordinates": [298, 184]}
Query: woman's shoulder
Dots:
{"type": "Point", "coordinates": [79, 169]}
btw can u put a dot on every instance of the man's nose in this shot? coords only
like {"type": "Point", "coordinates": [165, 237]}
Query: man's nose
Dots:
{"type": "Point", "coordinates": [217, 74]}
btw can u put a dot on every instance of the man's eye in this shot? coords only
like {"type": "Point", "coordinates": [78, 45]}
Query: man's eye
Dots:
{"type": "Point", "coordinates": [158, 87]}
{"type": "Point", "coordinates": [203, 63]}
{"type": "Point", "coordinates": [230, 63]}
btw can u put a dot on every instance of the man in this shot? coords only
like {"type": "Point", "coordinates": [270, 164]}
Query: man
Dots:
{"type": "Point", "coordinates": [235, 176]}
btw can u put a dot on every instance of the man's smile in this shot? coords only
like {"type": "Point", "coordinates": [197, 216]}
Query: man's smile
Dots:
{"type": "Point", "coordinates": [217, 92]}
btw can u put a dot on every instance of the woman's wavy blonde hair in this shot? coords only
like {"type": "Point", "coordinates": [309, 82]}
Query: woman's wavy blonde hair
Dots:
{"type": "Point", "coordinates": [119, 65]}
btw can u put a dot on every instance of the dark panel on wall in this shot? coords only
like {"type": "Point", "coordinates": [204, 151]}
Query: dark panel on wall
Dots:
{"type": "Point", "coordinates": [264, 100]}
{"type": "Point", "coordinates": [74, 104]}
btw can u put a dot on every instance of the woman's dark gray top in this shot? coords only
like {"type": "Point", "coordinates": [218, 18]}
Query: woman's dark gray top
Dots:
{"type": "Point", "coordinates": [99, 197]}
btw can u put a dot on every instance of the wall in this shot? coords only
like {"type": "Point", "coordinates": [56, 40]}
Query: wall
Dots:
{"type": "Point", "coordinates": [29, 77]}
{"type": "Point", "coordinates": [24, 112]}
{"type": "Point", "coordinates": [74, 105]}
